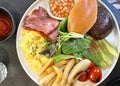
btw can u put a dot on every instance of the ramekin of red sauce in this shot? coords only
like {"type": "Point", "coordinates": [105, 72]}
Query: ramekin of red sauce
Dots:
{"type": "Point", "coordinates": [7, 25]}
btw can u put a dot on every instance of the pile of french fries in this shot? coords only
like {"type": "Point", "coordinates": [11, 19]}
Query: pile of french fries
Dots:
{"type": "Point", "coordinates": [62, 73]}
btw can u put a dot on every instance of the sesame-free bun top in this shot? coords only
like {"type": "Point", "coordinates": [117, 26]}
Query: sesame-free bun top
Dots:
{"type": "Point", "coordinates": [82, 16]}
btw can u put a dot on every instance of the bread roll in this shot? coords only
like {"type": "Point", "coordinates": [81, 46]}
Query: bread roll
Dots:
{"type": "Point", "coordinates": [82, 16]}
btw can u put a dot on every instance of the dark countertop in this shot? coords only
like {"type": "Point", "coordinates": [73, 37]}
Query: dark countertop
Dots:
{"type": "Point", "coordinates": [16, 74]}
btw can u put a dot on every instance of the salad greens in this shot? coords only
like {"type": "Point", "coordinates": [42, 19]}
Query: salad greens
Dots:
{"type": "Point", "coordinates": [57, 58]}
{"type": "Point", "coordinates": [74, 45]}
{"type": "Point", "coordinates": [63, 25]}
{"type": "Point", "coordinates": [64, 35]}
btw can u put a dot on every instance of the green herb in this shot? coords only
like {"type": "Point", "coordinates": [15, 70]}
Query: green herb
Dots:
{"type": "Point", "coordinates": [51, 49]}
{"type": "Point", "coordinates": [75, 46]}
{"type": "Point", "coordinates": [57, 58]}
{"type": "Point", "coordinates": [63, 25]}
{"type": "Point", "coordinates": [64, 35]}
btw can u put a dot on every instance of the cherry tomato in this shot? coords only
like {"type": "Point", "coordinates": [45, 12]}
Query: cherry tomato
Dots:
{"type": "Point", "coordinates": [90, 67]}
{"type": "Point", "coordinates": [83, 76]}
{"type": "Point", "coordinates": [95, 74]}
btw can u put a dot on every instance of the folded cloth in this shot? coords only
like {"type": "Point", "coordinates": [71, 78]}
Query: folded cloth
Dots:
{"type": "Point", "coordinates": [115, 3]}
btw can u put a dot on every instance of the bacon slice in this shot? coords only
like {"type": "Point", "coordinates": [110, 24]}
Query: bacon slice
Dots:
{"type": "Point", "coordinates": [42, 13]}
{"type": "Point", "coordinates": [40, 21]}
{"type": "Point", "coordinates": [53, 36]}
{"type": "Point", "coordinates": [46, 25]}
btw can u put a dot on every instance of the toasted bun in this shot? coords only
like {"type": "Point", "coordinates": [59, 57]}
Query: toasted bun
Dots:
{"type": "Point", "coordinates": [82, 16]}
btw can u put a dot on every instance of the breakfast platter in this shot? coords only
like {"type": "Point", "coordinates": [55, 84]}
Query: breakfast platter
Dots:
{"type": "Point", "coordinates": [51, 44]}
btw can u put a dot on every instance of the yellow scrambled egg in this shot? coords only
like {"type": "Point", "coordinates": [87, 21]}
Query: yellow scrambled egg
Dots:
{"type": "Point", "coordinates": [32, 43]}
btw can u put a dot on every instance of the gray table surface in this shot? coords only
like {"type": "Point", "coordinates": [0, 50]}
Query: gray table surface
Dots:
{"type": "Point", "coordinates": [16, 74]}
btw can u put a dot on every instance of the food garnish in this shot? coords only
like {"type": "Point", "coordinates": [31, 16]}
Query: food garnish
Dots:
{"type": "Point", "coordinates": [73, 46]}
{"type": "Point", "coordinates": [63, 25]}
{"type": "Point", "coordinates": [82, 16]}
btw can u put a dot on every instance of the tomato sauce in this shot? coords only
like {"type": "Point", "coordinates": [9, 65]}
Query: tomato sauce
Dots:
{"type": "Point", "coordinates": [5, 26]}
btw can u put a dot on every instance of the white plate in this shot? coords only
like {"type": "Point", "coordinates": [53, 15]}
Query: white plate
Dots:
{"type": "Point", "coordinates": [113, 38]}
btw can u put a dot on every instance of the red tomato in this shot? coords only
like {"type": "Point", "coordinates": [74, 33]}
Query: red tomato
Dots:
{"type": "Point", "coordinates": [83, 76]}
{"type": "Point", "coordinates": [90, 67]}
{"type": "Point", "coordinates": [95, 74]}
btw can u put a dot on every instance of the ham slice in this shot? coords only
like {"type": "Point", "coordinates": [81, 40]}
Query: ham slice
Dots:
{"type": "Point", "coordinates": [40, 21]}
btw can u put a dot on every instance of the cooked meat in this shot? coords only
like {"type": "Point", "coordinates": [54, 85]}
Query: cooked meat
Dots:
{"type": "Point", "coordinates": [46, 25]}
{"type": "Point", "coordinates": [41, 22]}
{"type": "Point", "coordinates": [41, 13]}
{"type": "Point", "coordinates": [103, 25]}
{"type": "Point", "coordinates": [53, 35]}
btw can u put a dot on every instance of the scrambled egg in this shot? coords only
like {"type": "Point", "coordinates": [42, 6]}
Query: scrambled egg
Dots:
{"type": "Point", "coordinates": [32, 43]}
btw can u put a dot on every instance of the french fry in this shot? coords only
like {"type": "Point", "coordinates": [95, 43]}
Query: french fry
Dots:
{"type": "Point", "coordinates": [63, 62]}
{"type": "Point", "coordinates": [62, 67]}
{"type": "Point", "coordinates": [50, 69]}
{"type": "Point", "coordinates": [67, 70]}
{"type": "Point", "coordinates": [48, 64]}
{"type": "Point", "coordinates": [43, 85]}
{"type": "Point", "coordinates": [81, 66]}
{"type": "Point", "coordinates": [43, 74]}
{"type": "Point", "coordinates": [59, 76]}
{"type": "Point", "coordinates": [47, 78]}
{"type": "Point", "coordinates": [51, 82]}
